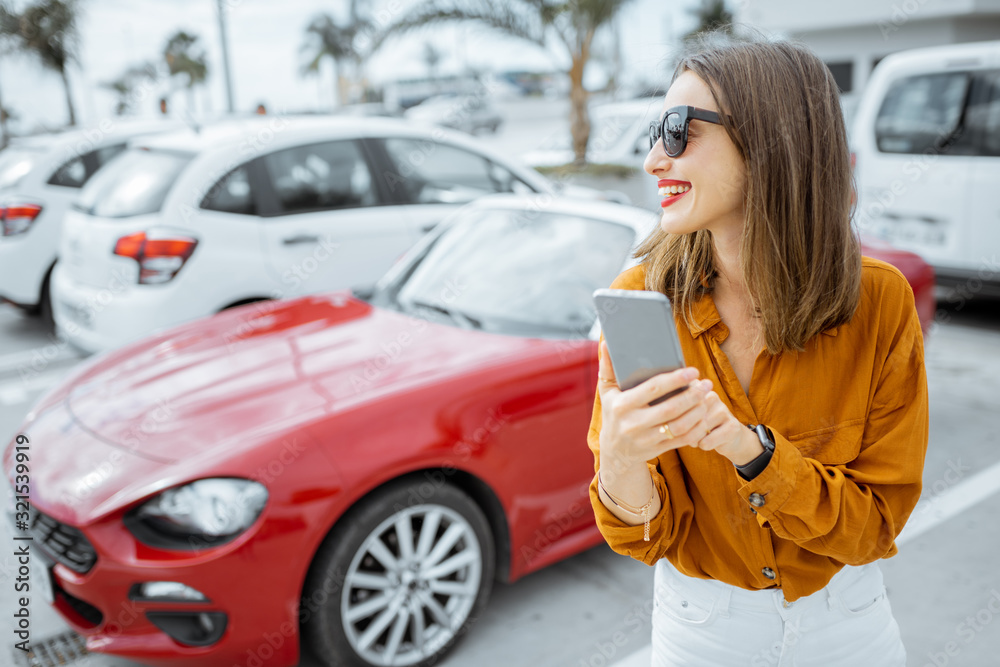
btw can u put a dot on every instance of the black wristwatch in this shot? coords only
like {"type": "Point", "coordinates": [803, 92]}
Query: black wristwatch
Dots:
{"type": "Point", "coordinates": [755, 467]}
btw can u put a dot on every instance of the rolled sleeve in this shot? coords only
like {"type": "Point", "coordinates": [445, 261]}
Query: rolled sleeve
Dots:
{"type": "Point", "coordinates": [628, 540]}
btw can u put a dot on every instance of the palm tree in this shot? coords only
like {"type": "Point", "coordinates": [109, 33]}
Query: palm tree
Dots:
{"type": "Point", "coordinates": [46, 29]}
{"type": "Point", "coordinates": [184, 56]}
{"type": "Point", "coordinates": [711, 15]}
{"type": "Point", "coordinates": [125, 84]}
{"type": "Point", "coordinates": [573, 23]}
{"type": "Point", "coordinates": [326, 38]}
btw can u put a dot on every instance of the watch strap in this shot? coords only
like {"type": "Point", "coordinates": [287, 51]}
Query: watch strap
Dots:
{"type": "Point", "coordinates": [753, 468]}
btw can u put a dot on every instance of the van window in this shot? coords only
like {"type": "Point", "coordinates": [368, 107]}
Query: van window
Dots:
{"type": "Point", "coordinates": [984, 113]}
{"type": "Point", "coordinates": [843, 75]}
{"type": "Point", "coordinates": [922, 113]}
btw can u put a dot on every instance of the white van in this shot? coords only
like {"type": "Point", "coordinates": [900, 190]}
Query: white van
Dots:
{"type": "Point", "coordinates": [926, 140]}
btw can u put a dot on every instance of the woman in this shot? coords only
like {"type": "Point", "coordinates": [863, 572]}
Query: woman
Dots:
{"type": "Point", "coordinates": [764, 538]}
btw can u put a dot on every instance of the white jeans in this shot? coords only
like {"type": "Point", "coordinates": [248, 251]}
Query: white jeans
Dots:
{"type": "Point", "coordinates": [706, 623]}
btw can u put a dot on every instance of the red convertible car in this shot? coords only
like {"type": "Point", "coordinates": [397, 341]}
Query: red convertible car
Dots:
{"type": "Point", "coordinates": [349, 473]}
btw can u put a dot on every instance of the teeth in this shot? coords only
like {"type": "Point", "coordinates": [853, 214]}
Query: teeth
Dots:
{"type": "Point", "coordinates": [673, 189]}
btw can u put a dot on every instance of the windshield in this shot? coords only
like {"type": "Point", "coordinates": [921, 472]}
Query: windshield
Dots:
{"type": "Point", "coordinates": [514, 271]}
{"type": "Point", "coordinates": [16, 163]}
{"type": "Point", "coordinates": [134, 183]}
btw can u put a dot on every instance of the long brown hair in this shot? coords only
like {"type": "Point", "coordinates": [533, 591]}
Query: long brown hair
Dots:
{"type": "Point", "coordinates": [799, 257]}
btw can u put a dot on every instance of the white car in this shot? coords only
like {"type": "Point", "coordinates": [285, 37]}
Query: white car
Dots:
{"type": "Point", "coordinates": [926, 139]}
{"type": "Point", "coordinates": [187, 224]}
{"type": "Point", "coordinates": [39, 178]}
{"type": "Point", "coordinates": [473, 113]}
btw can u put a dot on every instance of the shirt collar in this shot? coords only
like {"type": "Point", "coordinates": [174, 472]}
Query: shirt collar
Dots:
{"type": "Point", "coordinates": [704, 315]}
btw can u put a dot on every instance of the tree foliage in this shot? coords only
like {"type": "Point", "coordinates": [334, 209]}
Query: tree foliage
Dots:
{"type": "Point", "coordinates": [46, 29]}
{"type": "Point", "coordinates": [712, 15]}
{"type": "Point", "coordinates": [184, 56]}
{"type": "Point", "coordinates": [326, 38]}
{"type": "Point", "coordinates": [573, 24]}
{"type": "Point", "coordinates": [125, 85]}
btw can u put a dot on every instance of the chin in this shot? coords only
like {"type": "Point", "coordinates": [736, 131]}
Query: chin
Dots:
{"type": "Point", "coordinates": [675, 224]}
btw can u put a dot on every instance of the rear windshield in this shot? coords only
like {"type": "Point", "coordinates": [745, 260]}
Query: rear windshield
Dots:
{"type": "Point", "coordinates": [16, 162]}
{"type": "Point", "coordinates": [136, 183]}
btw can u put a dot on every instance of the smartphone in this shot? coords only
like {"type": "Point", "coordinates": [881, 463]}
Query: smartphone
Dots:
{"type": "Point", "coordinates": [642, 339]}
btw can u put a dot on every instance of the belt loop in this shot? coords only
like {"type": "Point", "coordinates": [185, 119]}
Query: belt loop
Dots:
{"type": "Point", "coordinates": [724, 599]}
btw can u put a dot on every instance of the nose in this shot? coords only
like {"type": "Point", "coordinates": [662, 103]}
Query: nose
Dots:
{"type": "Point", "coordinates": [657, 161]}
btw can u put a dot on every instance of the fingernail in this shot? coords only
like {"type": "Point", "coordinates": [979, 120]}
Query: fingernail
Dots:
{"type": "Point", "coordinates": [706, 385]}
{"type": "Point", "coordinates": [690, 373]}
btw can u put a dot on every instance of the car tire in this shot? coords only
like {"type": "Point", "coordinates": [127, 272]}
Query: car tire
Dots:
{"type": "Point", "coordinates": [371, 600]}
{"type": "Point", "coordinates": [45, 301]}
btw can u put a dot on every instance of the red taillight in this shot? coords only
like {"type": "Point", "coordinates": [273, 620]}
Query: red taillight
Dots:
{"type": "Point", "coordinates": [159, 258]}
{"type": "Point", "coordinates": [131, 245]}
{"type": "Point", "coordinates": [17, 219]}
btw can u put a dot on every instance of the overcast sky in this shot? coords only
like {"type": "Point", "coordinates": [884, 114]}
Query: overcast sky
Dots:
{"type": "Point", "coordinates": [265, 41]}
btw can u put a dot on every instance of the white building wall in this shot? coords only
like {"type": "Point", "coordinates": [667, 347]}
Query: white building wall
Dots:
{"type": "Point", "coordinates": [794, 16]}
{"type": "Point", "coordinates": [863, 31]}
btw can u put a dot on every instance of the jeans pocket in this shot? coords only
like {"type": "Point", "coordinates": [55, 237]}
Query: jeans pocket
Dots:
{"type": "Point", "coordinates": [686, 610]}
{"type": "Point", "coordinates": [861, 601]}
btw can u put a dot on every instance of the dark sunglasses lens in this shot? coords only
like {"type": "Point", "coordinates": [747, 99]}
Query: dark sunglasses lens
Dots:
{"type": "Point", "coordinates": [674, 135]}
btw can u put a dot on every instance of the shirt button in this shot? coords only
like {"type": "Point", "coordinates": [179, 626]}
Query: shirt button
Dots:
{"type": "Point", "coordinates": [756, 500]}
{"type": "Point", "coordinates": [768, 572]}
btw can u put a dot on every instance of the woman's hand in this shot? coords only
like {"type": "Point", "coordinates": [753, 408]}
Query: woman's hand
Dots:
{"type": "Point", "coordinates": [724, 433]}
{"type": "Point", "coordinates": [632, 431]}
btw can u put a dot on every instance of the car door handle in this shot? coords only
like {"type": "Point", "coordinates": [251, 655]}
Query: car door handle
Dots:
{"type": "Point", "coordinates": [301, 238]}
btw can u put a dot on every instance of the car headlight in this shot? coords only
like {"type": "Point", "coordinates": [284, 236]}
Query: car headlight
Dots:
{"type": "Point", "coordinates": [204, 513]}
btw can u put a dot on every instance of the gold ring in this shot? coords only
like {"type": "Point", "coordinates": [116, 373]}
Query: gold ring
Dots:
{"type": "Point", "coordinates": [665, 430]}
{"type": "Point", "coordinates": [708, 432]}
{"type": "Point", "coordinates": [604, 379]}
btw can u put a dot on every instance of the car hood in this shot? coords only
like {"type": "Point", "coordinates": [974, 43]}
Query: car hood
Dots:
{"type": "Point", "coordinates": [267, 367]}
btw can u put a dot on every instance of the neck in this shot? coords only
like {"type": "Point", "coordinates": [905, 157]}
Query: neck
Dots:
{"type": "Point", "coordinates": [726, 255]}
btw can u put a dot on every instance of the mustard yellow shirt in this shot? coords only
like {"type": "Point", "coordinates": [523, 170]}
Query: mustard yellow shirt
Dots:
{"type": "Point", "coordinates": [849, 418]}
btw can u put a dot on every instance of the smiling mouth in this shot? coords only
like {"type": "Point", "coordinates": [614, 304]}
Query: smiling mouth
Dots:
{"type": "Point", "coordinates": [672, 191]}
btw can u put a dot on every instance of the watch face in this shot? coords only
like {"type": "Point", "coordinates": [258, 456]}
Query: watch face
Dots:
{"type": "Point", "coordinates": [766, 437]}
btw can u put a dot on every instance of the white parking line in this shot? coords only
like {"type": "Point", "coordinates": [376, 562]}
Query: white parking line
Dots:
{"type": "Point", "coordinates": [641, 658]}
{"type": "Point", "coordinates": [938, 509]}
{"type": "Point", "coordinates": [926, 515]}
{"type": "Point", "coordinates": [19, 391]}
{"type": "Point", "coordinates": [48, 354]}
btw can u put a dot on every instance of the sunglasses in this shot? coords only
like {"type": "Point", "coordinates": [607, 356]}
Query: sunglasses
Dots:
{"type": "Point", "coordinates": [673, 127]}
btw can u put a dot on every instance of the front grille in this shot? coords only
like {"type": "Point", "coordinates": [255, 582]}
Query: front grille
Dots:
{"type": "Point", "coordinates": [64, 543]}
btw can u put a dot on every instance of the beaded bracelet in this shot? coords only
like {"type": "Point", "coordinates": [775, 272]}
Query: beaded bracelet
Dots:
{"type": "Point", "coordinates": [642, 511]}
